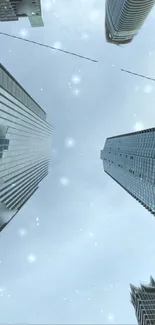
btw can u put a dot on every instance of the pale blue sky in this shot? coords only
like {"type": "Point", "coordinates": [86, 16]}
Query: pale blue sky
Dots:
{"type": "Point", "coordinates": [69, 255]}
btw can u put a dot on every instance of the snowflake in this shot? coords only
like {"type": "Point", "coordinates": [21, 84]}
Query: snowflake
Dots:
{"type": "Point", "coordinates": [23, 32]}
{"type": "Point", "coordinates": [9, 295]}
{"type": "Point", "coordinates": [91, 234]}
{"type": "Point", "coordinates": [47, 5]}
{"type": "Point", "coordinates": [138, 126]}
{"type": "Point", "coordinates": [81, 229]}
{"type": "Point", "coordinates": [64, 181]}
{"type": "Point", "coordinates": [37, 219]}
{"type": "Point", "coordinates": [76, 92]}
{"type": "Point", "coordinates": [84, 36]}
{"type": "Point", "coordinates": [148, 89]}
{"type": "Point", "coordinates": [31, 258]}
{"type": "Point", "coordinates": [111, 318]}
{"type": "Point", "coordinates": [22, 232]}
{"type": "Point", "coordinates": [70, 142]}
{"type": "Point", "coordinates": [136, 88]}
{"type": "Point", "coordinates": [57, 45]}
{"type": "Point", "coordinates": [38, 223]}
{"type": "Point", "coordinates": [95, 243]}
{"type": "Point", "coordinates": [89, 298]}
{"type": "Point", "coordinates": [94, 15]}
{"type": "Point", "coordinates": [76, 79]}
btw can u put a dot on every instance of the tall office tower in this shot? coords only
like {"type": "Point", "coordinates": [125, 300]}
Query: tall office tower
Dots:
{"type": "Point", "coordinates": [143, 300]}
{"type": "Point", "coordinates": [130, 160]}
{"type": "Point", "coordinates": [25, 144]}
{"type": "Point", "coordinates": [124, 18]}
{"type": "Point", "coordinates": [13, 9]}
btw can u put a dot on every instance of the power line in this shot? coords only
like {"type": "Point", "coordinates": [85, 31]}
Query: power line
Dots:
{"type": "Point", "coordinates": [48, 46]}
{"type": "Point", "coordinates": [137, 74]}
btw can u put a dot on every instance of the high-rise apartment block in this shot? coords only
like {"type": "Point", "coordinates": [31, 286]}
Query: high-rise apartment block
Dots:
{"type": "Point", "coordinates": [130, 160]}
{"type": "Point", "coordinates": [25, 144]}
{"type": "Point", "coordinates": [143, 300]}
{"type": "Point", "coordinates": [124, 18]}
{"type": "Point", "coordinates": [11, 10]}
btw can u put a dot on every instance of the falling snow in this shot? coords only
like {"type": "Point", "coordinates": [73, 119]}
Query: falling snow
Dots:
{"type": "Point", "coordinates": [64, 181]}
{"type": "Point", "coordinates": [47, 6]}
{"type": "Point", "coordinates": [111, 318]}
{"type": "Point", "coordinates": [57, 45]}
{"type": "Point", "coordinates": [70, 143]}
{"type": "Point", "coordinates": [31, 258]}
{"type": "Point", "coordinates": [136, 88]}
{"type": "Point", "coordinates": [76, 79]}
{"type": "Point", "coordinates": [76, 92]}
{"type": "Point", "coordinates": [84, 36]}
{"type": "Point", "coordinates": [148, 89]}
{"type": "Point", "coordinates": [138, 126]}
{"type": "Point", "coordinates": [24, 33]}
{"type": "Point", "coordinates": [22, 232]}
{"type": "Point", "coordinates": [94, 15]}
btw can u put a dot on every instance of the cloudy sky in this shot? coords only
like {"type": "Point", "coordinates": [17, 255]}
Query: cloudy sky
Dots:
{"type": "Point", "coordinates": [69, 255]}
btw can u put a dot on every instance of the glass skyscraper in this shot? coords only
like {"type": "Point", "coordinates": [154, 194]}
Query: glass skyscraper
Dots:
{"type": "Point", "coordinates": [11, 10]}
{"type": "Point", "coordinates": [143, 300]}
{"type": "Point", "coordinates": [124, 18]}
{"type": "Point", "coordinates": [25, 144]}
{"type": "Point", "coordinates": [130, 160]}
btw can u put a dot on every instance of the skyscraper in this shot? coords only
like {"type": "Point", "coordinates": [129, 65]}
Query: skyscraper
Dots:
{"type": "Point", "coordinates": [25, 143]}
{"type": "Point", "coordinates": [143, 300]}
{"type": "Point", "coordinates": [124, 18]}
{"type": "Point", "coordinates": [13, 9]}
{"type": "Point", "coordinates": [130, 160]}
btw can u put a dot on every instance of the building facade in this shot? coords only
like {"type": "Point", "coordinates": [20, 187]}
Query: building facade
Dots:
{"type": "Point", "coordinates": [25, 144]}
{"type": "Point", "coordinates": [124, 18]}
{"type": "Point", "coordinates": [11, 10]}
{"type": "Point", "coordinates": [130, 160]}
{"type": "Point", "coordinates": [143, 300]}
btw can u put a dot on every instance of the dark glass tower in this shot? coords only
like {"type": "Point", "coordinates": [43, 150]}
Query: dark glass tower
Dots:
{"type": "Point", "coordinates": [130, 160]}
{"type": "Point", "coordinates": [25, 145]}
{"type": "Point", "coordinates": [124, 18]}
{"type": "Point", "coordinates": [11, 10]}
{"type": "Point", "coordinates": [143, 300]}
